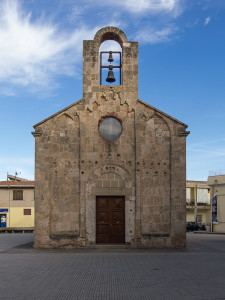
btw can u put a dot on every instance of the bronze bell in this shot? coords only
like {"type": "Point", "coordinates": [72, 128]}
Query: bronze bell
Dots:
{"type": "Point", "coordinates": [110, 59]}
{"type": "Point", "coordinates": [110, 78]}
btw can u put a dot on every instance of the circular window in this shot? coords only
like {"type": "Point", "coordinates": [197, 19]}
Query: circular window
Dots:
{"type": "Point", "coordinates": [110, 128]}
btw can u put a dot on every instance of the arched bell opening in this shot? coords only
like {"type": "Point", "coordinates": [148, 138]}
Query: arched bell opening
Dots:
{"type": "Point", "coordinates": [108, 34]}
{"type": "Point", "coordinates": [110, 63]}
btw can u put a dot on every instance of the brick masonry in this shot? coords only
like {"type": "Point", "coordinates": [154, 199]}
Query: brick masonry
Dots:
{"type": "Point", "coordinates": [74, 164]}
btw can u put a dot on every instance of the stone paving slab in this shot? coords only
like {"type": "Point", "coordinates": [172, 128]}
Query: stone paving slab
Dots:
{"type": "Point", "coordinates": [197, 272]}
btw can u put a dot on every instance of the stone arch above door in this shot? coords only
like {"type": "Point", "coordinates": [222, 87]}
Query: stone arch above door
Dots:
{"type": "Point", "coordinates": [114, 175]}
{"type": "Point", "coordinates": [110, 180]}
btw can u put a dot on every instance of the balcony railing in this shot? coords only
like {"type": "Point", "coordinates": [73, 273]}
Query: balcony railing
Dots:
{"type": "Point", "coordinates": [192, 203]}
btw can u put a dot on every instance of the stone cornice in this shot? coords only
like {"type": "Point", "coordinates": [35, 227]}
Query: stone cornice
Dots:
{"type": "Point", "coordinates": [183, 133]}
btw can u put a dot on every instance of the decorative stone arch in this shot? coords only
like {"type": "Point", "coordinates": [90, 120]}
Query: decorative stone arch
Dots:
{"type": "Point", "coordinates": [94, 189]}
{"type": "Point", "coordinates": [157, 137]}
{"type": "Point", "coordinates": [110, 180]}
{"type": "Point", "coordinates": [100, 171]}
{"type": "Point", "coordinates": [64, 127]}
{"type": "Point", "coordinates": [110, 33]}
{"type": "Point", "coordinates": [166, 124]}
{"type": "Point", "coordinates": [61, 121]}
{"type": "Point", "coordinates": [163, 121]}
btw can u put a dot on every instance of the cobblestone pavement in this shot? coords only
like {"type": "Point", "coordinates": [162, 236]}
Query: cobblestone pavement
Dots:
{"type": "Point", "coordinates": [197, 272]}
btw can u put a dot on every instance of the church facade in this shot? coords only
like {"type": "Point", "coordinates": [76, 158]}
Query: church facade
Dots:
{"type": "Point", "coordinates": [110, 168]}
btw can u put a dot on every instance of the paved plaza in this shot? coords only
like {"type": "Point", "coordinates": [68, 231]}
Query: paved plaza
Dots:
{"type": "Point", "coordinates": [197, 272]}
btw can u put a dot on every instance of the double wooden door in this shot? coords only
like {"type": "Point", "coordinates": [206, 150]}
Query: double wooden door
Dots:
{"type": "Point", "coordinates": [110, 219]}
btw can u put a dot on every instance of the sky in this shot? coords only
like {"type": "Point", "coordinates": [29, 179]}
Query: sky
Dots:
{"type": "Point", "coordinates": [181, 69]}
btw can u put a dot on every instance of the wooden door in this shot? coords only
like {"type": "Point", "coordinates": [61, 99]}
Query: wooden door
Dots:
{"type": "Point", "coordinates": [110, 219]}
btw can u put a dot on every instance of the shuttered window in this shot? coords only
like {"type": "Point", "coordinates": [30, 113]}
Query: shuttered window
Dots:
{"type": "Point", "coordinates": [27, 212]}
{"type": "Point", "coordinates": [17, 194]}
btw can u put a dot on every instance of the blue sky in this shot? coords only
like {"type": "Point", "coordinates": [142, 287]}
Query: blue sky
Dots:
{"type": "Point", "coordinates": [181, 68]}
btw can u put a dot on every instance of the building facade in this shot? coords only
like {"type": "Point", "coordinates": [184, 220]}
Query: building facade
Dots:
{"type": "Point", "coordinates": [110, 168]}
{"type": "Point", "coordinates": [17, 204]}
{"type": "Point", "coordinates": [198, 204]}
{"type": "Point", "coordinates": [216, 181]}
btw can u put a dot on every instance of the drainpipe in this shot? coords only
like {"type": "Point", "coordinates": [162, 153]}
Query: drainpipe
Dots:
{"type": "Point", "coordinates": [196, 204]}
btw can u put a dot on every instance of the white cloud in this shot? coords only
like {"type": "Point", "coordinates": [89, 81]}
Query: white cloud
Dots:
{"type": "Point", "coordinates": [210, 152]}
{"type": "Point", "coordinates": [149, 6]}
{"type": "Point", "coordinates": [32, 53]}
{"type": "Point", "coordinates": [110, 45]}
{"type": "Point", "coordinates": [197, 167]}
{"type": "Point", "coordinates": [207, 20]}
{"type": "Point", "coordinates": [155, 36]}
{"type": "Point", "coordinates": [208, 142]}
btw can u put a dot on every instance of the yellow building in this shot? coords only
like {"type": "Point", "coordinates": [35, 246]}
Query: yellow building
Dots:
{"type": "Point", "coordinates": [216, 181]}
{"type": "Point", "coordinates": [17, 203]}
{"type": "Point", "coordinates": [198, 208]}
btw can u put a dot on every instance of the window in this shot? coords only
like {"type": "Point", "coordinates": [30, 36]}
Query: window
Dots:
{"type": "Point", "coordinates": [199, 219]}
{"type": "Point", "coordinates": [18, 195]}
{"type": "Point", "coordinates": [27, 212]}
{"type": "Point", "coordinates": [110, 128]}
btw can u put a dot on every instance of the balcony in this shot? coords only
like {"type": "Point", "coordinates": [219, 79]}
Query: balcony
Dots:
{"type": "Point", "coordinates": [200, 205]}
